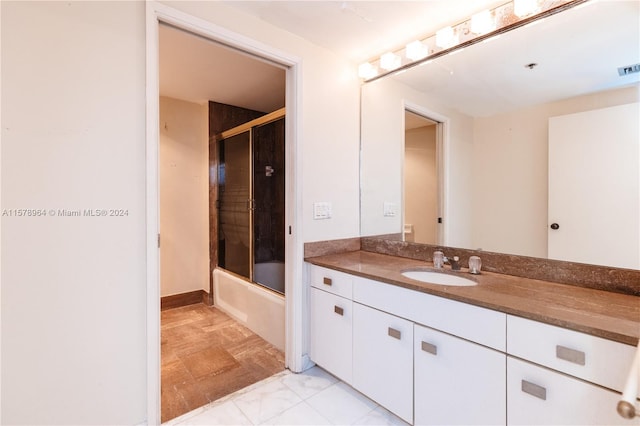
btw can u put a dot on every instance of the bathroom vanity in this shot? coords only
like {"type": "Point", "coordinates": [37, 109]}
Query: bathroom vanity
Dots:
{"type": "Point", "coordinates": [508, 350]}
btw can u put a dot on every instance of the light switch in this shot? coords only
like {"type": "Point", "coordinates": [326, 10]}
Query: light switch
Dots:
{"type": "Point", "coordinates": [389, 209]}
{"type": "Point", "coordinates": [322, 210]}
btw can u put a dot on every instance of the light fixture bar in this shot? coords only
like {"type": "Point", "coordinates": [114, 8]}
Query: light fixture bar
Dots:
{"type": "Point", "coordinates": [482, 23]}
{"type": "Point", "coordinates": [477, 28]}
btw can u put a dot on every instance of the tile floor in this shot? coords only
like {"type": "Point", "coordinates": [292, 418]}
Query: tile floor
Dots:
{"type": "Point", "coordinates": [313, 397]}
{"type": "Point", "coordinates": [206, 355]}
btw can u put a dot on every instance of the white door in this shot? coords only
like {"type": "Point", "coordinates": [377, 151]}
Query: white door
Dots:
{"type": "Point", "coordinates": [594, 187]}
{"type": "Point", "coordinates": [457, 382]}
{"type": "Point", "coordinates": [331, 333]}
{"type": "Point", "coordinates": [383, 359]}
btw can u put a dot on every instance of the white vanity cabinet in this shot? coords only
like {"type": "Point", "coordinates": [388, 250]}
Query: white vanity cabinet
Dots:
{"type": "Point", "coordinates": [464, 382]}
{"type": "Point", "coordinates": [432, 360]}
{"type": "Point", "coordinates": [331, 322]}
{"type": "Point", "coordinates": [383, 359]}
{"type": "Point", "coordinates": [457, 381]}
{"type": "Point", "coordinates": [573, 379]}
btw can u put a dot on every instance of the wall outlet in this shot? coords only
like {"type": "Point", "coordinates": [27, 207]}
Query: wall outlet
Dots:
{"type": "Point", "coordinates": [322, 210]}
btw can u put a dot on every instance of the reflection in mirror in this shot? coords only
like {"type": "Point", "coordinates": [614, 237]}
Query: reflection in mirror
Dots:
{"type": "Point", "coordinates": [421, 196]}
{"type": "Point", "coordinates": [497, 112]}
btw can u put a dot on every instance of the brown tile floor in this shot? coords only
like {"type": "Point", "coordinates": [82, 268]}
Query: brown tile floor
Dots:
{"type": "Point", "coordinates": [207, 355]}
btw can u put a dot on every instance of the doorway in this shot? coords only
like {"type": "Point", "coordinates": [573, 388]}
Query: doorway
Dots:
{"type": "Point", "coordinates": [158, 15]}
{"type": "Point", "coordinates": [422, 186]}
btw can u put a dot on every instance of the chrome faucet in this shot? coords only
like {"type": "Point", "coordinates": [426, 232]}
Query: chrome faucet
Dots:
{"type": "Point", "coordinates": [454, 262]}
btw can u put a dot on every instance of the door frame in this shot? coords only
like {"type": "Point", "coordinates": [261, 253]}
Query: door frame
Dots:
{"type": "Point", "coordinates": [295, 333]}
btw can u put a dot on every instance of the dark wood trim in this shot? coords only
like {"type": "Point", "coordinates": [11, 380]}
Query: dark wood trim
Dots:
{"type": "Point", "coordinates": [184, 299]}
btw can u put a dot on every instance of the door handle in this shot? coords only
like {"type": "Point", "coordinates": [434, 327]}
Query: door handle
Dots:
{"type": "Point", "coordinates": [571, 355]}
{"type": "Point", "coordinates": [534, 390]}
{"type": "Point", "coordinates": [396, 334]}
{"type": "Point", "coordinates": [338, 310]}
{"type": "Point", "coordinates": [555, 226]}
{"type": "Point", "coordinates": [327, 281]}
{"type": "Point", "coordinates": [430, 348]}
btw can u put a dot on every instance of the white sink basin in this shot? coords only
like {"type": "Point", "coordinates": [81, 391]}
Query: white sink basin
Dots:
{"type": "Point", "coordinates": [440, 278]}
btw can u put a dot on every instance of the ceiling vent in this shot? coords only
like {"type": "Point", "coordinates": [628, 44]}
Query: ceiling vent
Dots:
{"type": "Point", "coordinates": [629, 69]}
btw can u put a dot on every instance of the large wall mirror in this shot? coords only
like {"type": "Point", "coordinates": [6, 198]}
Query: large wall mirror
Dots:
{"type": "Point", "coordinates": [536, 141]}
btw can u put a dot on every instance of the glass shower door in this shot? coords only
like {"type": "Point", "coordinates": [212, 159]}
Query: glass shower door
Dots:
{"type": "Point", "coordinates": [269, 204]}
{"type": "Point", "coordinates": [235, 243]}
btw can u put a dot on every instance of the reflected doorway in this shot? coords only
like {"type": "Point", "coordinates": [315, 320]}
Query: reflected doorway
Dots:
{"type": "Point", "coordinates": [422, 188]}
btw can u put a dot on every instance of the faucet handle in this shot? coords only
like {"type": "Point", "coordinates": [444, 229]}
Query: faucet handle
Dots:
{"type": "Point", "coordinates": [475, 264]}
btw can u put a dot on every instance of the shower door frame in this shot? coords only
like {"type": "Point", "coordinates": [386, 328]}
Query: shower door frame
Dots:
{"type": "Point", "coordinates": [238, 130]}
{"type": "Point", "coordinates": [296, 321]}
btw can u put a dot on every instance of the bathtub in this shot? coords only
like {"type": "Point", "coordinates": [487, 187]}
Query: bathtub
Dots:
{"type": "Point", "coordinates": [255, 307]}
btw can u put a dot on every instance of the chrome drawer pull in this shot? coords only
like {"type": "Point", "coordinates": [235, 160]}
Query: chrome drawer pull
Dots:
{"type": "Point", "coordinates": [428, 347]}
{"type": "Point", "coordinates": [396, 334]}
{"type": "Point", "coordinates": [338, 310]}
{"type": "Point", "coordinates": [571, 355]}
{"type": "Point", "coordinates": [327, 281]}
{"type": "Point", "coordinates": [535, 390]}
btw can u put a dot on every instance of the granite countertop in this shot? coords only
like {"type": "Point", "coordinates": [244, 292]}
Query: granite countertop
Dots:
{"type": "Point", "coordinates": [614, 316]}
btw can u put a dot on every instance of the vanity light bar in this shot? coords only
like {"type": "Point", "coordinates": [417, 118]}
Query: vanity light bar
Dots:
{"type": "Point", "coordinates": [390, 61]}
{"type": "Point", "coordinates": [479, 27]}
{"type": "Point", "coordinates": [483, 23]}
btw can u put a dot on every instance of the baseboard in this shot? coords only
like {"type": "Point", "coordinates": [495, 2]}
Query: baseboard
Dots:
{"type": "Point", "coordinates": [184, 299]}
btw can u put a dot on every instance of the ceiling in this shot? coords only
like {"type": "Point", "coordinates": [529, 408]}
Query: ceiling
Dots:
{"type": "Point", "coordinates": [197, 70]}
{"type": "Point", "coordinates": [362, 30]}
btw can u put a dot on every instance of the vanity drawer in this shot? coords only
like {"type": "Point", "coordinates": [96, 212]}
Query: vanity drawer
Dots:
{"type": "Point", "coordinates": [591, 358]}
{"type": "Point", "coordinates": [474, 323]}
{"type": "Point", "coordinates": [539, 396]}
{"type": "Point", "coordinates": [332, 281]}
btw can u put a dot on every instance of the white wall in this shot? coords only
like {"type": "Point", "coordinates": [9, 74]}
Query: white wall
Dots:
{"type": "Point", "coordinates": [73, 288]}
{"type": "Point", "coordinates": [184, 196]}
{"type": "Point", "coordinates": [510, 153]}
{"type": "Point", "coordinates": [73, 136]}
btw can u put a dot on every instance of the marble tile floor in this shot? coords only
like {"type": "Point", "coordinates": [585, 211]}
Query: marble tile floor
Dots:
{"type": "Point", "coordinates": [313, 397]}
{"type": "Point", "coordinates": [205, 355]}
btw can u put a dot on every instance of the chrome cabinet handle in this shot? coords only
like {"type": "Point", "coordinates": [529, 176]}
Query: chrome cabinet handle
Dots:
{"type": "Point", "coordinates": [430, 348]}
{"type": "Point", "coordinates": [338, 310]}
{"type": "Point", "coordinates": [327, 281]}
{"type": "Point", "coordinates": [571, 355]}
{"type": "Point", "coordinates": [396, 334]}
{"type": "Point", "coordinates": [535, 390]}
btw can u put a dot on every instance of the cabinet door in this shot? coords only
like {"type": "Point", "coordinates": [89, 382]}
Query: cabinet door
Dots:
{"type": "Point", "coordinates": [331, 333]}
{"type": "Point", "coordinates": [383, 359]}
{"type": "Point", "coordinates": [457, 381]}
{"type": "Point", "coordinates": [540, 396]}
